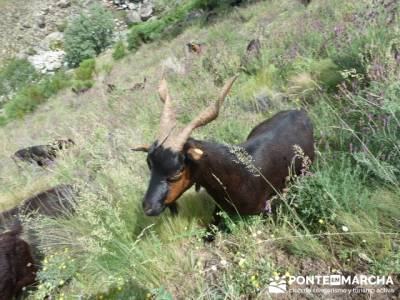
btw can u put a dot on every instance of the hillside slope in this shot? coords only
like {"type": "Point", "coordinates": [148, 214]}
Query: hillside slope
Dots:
{"type": "Point", "coordinates": [337, 59]}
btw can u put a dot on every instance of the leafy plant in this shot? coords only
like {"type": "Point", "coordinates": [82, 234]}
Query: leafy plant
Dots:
{"type": "Point", "coordinates": [88, 35]}
{"type": "Point", "coordinates": [16, 74]}
{"type": "Point", "coordinates": [30, 97]}
{"type": "Point", "coordinates": [86, 69]}
{"type": "Point", "coordinates": [119, 50]}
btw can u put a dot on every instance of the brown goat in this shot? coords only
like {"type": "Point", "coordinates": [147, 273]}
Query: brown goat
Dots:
{"type": "Point", "coordinates": [42, 155]}
{"type": "Point", "coordinates": [52, 203]}
{"type": "Point", "coordinates": [17, 267]}
{"type": "Point", "coordinates": [177, 162]}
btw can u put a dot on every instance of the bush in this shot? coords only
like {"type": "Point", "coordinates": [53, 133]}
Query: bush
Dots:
{"type": "Point", "coordinates": [86, 69]}
{"type": "Point", "coordinates": [16, 74]}
{"type": "Point", "coordinates": [88, 35]}
{"type": "Point", "coordinates": [30, 97]}
{"type": "Point", "coordinates": [119, 51]}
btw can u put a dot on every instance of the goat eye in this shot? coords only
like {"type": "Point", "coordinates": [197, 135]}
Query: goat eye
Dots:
{"type": "Point", "coordinates": [175, 177]}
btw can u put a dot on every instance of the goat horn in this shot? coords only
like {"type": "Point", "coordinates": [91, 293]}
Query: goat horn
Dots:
{"type": "Point", "coordinates": [206, 116]}
{"type": "Point", "coordinates": [168, 118]}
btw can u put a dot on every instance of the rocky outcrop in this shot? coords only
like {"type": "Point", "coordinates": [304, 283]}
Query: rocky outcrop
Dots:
{"type": "Point", "coordinates": [137, 10]}
{"type": "Point", "coordinates": [33, 29]}
{"type": "Point", "coordinates": [47, 61]}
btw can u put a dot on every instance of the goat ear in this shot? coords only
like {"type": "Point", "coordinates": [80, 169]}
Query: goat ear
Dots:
{"type": "Point", "coordinates": [195, 153]}
{"type": "Point", "coordinates": [142, 148]}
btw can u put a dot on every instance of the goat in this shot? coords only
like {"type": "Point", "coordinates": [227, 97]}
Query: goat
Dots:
{"type": "Point", "coordinates": [17, 266]}
{"type": "Point", "coordinates": [42, 155]}
{"type": "Point", "coordinates": [54, 202]}
{"type": "Point", "coordinates": [177, 162]}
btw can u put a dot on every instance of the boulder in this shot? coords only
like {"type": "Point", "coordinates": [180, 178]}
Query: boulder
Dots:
{"type": "Point", "coordinates": [146, 10]}
{"type": "Point", "coordinates": [47, 61]}
{"type": "Point", "coordinates": [132, 17]}
{"type": "Point", "coordinates": [41, 21]}
{"type": "Point", "coordinates": [64, 3]}
{"type": "Point", "coordinates": [51, 41]}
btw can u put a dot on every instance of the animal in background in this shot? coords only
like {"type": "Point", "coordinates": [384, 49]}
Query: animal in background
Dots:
{"type": "Point", "coordinates": [177, 162]}
{"type": "Point", "coordinates": [55, 202]}
{"type": "Point", "coordinates": [42, 155]}
{"type": "Point", "coordinates": [17, 266]}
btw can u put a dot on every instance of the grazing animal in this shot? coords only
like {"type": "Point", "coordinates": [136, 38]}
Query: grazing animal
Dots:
{"type": "Point", "coordinates": [17, 266]}
{"type": "Point", "coordinates": [42, 155]}
{"type": "Point", "coordinates": [139, 85]}
{"type": "Point", "coordinates": [254, 48]}
{"type": "Point", "coordinates": [196, 48]}
{"type": "Point", "coordinates": [54, 202]}
{"type": "Point", "coordinates": [253, 53]}
{"type": "Point", "coordinates": [177, 161]}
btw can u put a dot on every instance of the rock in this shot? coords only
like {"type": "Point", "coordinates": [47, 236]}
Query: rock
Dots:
{"type": "Point", "coordinates": [133, 6]}
{"type": "Point", "coordinates": [64, 3]}
{"type": "Point", "coordinates": [173, 65]}
{"type": "Point", "coordinates": [132, 17]}
{"type": "Point", "coordinates": [52, 41]}
{"type": "Point", "coordinates": [47, 61]}
{"type": "Point", "coordinates": [41, 22]}
{"type": "Point", "coordinates": [146, 11]}
{"type": "Point", "coordinates": [45, 11]}
{"type": "Point", "coordinates": [26, 26]}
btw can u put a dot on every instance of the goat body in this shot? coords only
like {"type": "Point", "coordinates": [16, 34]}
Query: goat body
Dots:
{"type": "Point", "coordinates": [270, 146]}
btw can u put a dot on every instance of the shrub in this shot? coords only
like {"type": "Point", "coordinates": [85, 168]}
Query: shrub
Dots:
{"type": "Point", "coordinates": [119, 50]}
{"type": "Point", "coordinates": [30, 97]}
{"type": "Point", "coordinates": [80, 86]}
{"type": "Point", "coordinates": [327, 74]}
{"type": "Point", "coordinates": [86, 69]}
{"type": "Point", "coordinates": [88, 35]}
{"type": "Point", "coordinates": [16, 74]}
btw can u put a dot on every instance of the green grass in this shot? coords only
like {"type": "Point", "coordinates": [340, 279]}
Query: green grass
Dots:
{"type": "Point", "coordinates": [345, 210]}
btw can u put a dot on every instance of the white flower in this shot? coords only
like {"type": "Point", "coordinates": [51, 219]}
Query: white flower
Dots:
{"type": "Point", "coordinates": [224, 262]}
{"type": "Point", "coordinates": [214, 268]}
{"type": "Point", "coordinates": [345, 228]}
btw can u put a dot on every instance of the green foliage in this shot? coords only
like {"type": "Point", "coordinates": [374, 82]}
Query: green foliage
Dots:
{"type": "Point", "coordinates": [16, 74]}
{"type": "Point", "coordinates": [154, 29]}
{"type": "Point", "coordinates": [88, 35]}
{"type": "Point", "coordinates": [327, 74]}
{"type": "Point", "coordinates": [80, 86]}
{"type": "Point", "coordinates": [30, 97]}
{"type": "Point", "coordinates": [172, 23]}
{"type": "Point", "coordinates": [119, 50]}
{"type": "Point", "coordinates": [86, 69]}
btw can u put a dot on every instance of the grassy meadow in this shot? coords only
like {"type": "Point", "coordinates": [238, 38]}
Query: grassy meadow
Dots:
{"type": "Point", "coordinates": [339, 60]}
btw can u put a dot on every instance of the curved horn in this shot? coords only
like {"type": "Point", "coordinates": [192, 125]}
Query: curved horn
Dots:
{"type": "Point", "coordinates": [206, 116]}
{"type": "Point", "coordinates": [168, 118]}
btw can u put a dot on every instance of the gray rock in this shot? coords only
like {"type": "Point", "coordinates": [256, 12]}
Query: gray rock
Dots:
{"type": "Point", "coordinates": [146, 11]}
{"type": "Point", "coordinates": [47, 61]}
{"type": "Point", "coordinates": [133, 6]}
{"type": "Point", "coordinates": [132, 17]}
{"type": "Point", "coordinates": [51, 40]}
{"type": "Point", "coordinates": [41, 22]}
{"type": "Point", "coordinates": [45, 11]}
{"type": "Point", "coordinates": [64, 3]}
